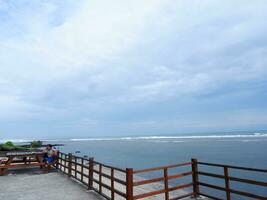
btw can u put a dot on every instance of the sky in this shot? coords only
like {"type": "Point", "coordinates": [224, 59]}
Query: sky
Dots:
{"type": "Point", "coordinates": [95, 68]}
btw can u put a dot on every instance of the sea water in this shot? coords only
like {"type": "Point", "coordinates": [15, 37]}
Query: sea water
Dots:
{"type": "Point", "coordinates": [142, 152]}
{"type": "Point", "coordinates": [246, 149]}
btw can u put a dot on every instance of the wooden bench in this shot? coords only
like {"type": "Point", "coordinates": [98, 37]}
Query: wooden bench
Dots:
{"type": "Point", "coordinates": [24, 160]}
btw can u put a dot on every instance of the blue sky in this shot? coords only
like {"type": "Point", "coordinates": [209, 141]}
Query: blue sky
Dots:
{"type": "Point", "coordinates": [106, 68]}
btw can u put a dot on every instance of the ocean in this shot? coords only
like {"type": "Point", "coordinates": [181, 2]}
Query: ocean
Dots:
{"type": "Point", "coordinates": [241, 149]}
{"type": "Point", "coordinates": [148, 151]}
{"type": "Point", "coordinates": [245, 149]}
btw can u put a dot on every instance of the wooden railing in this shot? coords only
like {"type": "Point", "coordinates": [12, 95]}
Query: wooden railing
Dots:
{"type": "Point", "coordinates": [165, 179]}
{"type": "Point", "coordinates": [228, 180]}
{"type": "Point", "coordinates": [109, 182]}
{"type": "Point", "coordinates": [116, 183]}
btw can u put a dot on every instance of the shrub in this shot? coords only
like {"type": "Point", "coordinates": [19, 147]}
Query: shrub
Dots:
{"type": "Point", "coordinates": [9, 146]}
{"type": "Point", "coordinates": [36, 143]}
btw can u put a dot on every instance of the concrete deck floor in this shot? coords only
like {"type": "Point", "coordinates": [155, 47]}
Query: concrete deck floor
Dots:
{"type": "Point", "coordinates": [36, 185]}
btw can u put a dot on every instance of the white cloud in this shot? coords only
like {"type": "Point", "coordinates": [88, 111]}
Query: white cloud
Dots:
{"type": "Point", "coordinates": [97, 55]}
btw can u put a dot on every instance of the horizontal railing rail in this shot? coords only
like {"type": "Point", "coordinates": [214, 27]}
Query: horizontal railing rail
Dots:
{"type": "Point", "coordinates": [161, 168]}
{"type": "Point", "coordinates": [233, 167]}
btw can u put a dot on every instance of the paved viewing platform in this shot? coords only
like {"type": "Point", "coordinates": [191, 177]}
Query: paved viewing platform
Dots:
{"type": "Point", "coordinates": [37, 185]}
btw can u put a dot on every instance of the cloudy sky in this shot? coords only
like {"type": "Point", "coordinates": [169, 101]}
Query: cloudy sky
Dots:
{"type": "Point", "coordinates": [86, 68]}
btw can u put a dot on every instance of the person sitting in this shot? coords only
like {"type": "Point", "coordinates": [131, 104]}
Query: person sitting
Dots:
{"type": "Point", "coordinates": [50, 155]}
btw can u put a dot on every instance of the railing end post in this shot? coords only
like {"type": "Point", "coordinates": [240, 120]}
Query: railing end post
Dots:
{"type": "Point", "coordinates": [195, 177]}
{"type": "Point", "coordinates": [227, 183]}
{"type": "Point", "coordinates": [91, 173]}
{"type": "Point", "coordinates": [129, 183]}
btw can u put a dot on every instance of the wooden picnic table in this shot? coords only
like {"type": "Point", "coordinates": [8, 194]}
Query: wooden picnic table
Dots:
{"type": "Point", "coordinates": [21, 160]}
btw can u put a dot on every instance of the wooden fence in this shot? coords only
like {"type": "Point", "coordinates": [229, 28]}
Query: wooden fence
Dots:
{"type": "Point", "coordinates": [110, 182]}
{"type": "Point", "coordinates": [165, 179]}
{"type": "Point", "coordinates": [115, 183]}
{"type": "Point", "coordinates": [228, 180]}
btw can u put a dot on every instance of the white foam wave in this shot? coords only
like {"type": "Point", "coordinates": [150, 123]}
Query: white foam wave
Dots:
{"type": "Point", "coordinates": [167, 141]}
{"type": "Point", "coordinates": [175, 137]}
{"type": "Point", "coordinates": [151, 138]}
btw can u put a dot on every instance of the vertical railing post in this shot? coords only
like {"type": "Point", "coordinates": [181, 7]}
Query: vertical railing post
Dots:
{"type": "Point", "coordinates": [65, 163]}
{"type": "Point", "coordinates": [82, 165]}
{"type": "Point", "coordinates": [57, 160]}
{"type": "Point", "coordinates": [129, 182]}
{"type": "Point", "coordinates": [58, 166]}
{"type": "Point", "coordinates": [166, 184]}
{"type": "Point", "coordinates": [112, 183]}
{"type": "Point", "coordinates": [75, 160]}
{"type": "Point", "coordinates": [91, 173]}
{"type": "Point", "coordinates": [100, 178]}
{"type": "Point", "coordinates": [69, 164]}
{"type": "Point", "coordinates": [195, 177]}
{"type": "Point", "coordinates": [227, 183]}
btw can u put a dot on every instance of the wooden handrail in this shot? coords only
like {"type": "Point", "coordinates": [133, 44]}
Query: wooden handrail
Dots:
{"type": "Point", "coordinates": [166, 179]}
{"type": "Point", "coordinates": [233, 191]}
{"type": "Point", "coordinates": [71, 162]}
{"type": "Point", "coordinates": [233, 167]}
{"type": "Point", "coordinates": [247, 194]}
{"type": "Point", "coordinates": [181, 186]}
{"type": "Point", "coordinates": [212, 186]}
{"type": "Point", "coordinates": [110, 177]}
{"type": "Point", "coordinates": [227, 188]}
{"type": "Point", "coordinates": [160, 168]}
{"type": "Point", "coordinates": [108, 166]}
{"type": "Point", "coordinates": [249, 181]}
{"type": "Point", "coordinates": [109, 187]}
{"type": "Point", "coordinates": [143, 182]}
{"type": "Point", "coordinates": [157, 192]}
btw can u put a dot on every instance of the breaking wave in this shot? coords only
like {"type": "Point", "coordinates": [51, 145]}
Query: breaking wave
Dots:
{"type": "Point", "coordinates": [151, 138]}
{"type": "Point", "coordinates": [158, 138]}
